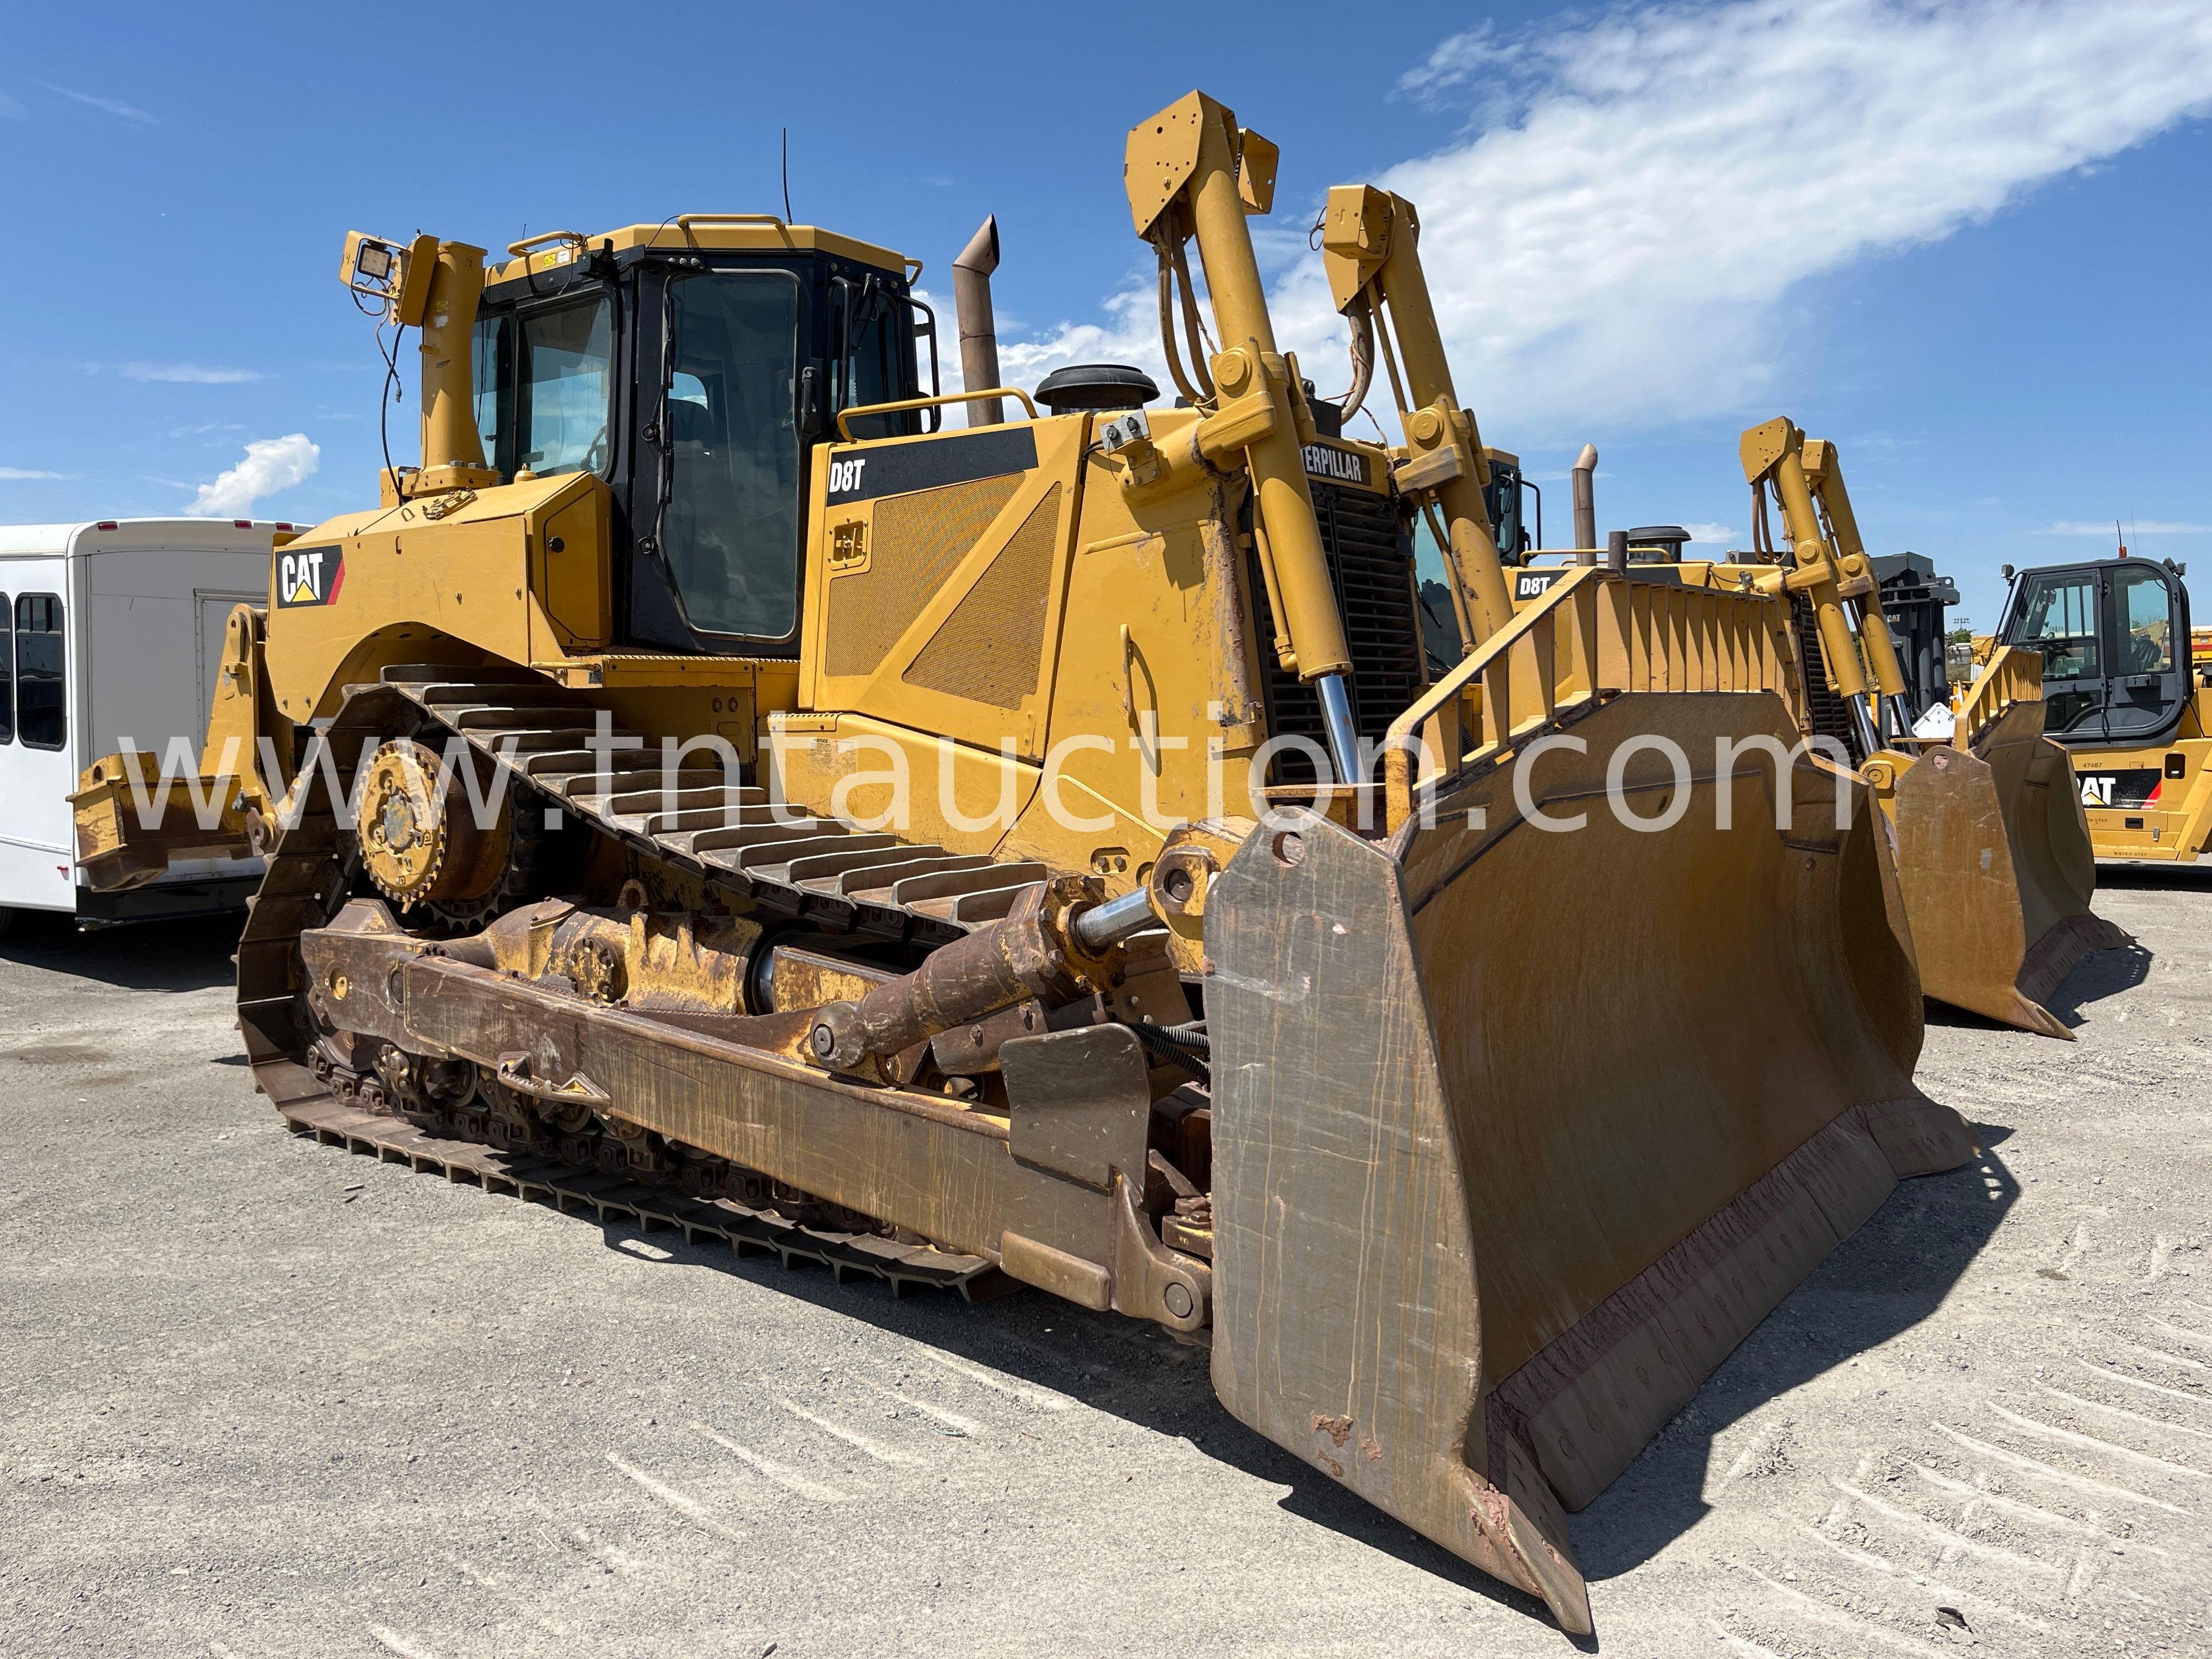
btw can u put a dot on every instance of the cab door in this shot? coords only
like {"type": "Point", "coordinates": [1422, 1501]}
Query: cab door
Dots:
{"type": "Point", "coordinates": [2146, 652]}
{"type": "Point", "coordinates": [2058, 614]}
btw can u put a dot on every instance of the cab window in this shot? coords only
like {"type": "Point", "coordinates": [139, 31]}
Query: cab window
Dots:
{"type": "Point", "coordinates": [2059, 619]}
{"type": "Point", "coordinates": [2061, 615]}
{"type": "Point", "coordinates": [2146, 622]}
{"type": "Point", "coordinates": [39, 721]}
{"type": "Point", "coordinates": [6, 675]}
{"type": "Point", "coordinates": [492, 354]}
{"type": "Point", "coordinates": [876, 364]}
{"type": "Point", "coordinates": [564, 367]}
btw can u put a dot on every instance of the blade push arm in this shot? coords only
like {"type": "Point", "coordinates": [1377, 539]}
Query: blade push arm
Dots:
{"type": "Point", "coordinates": [1192, 174]}
{"type": "Point", "coordinates": [1831, 569]}
{"type": "Point", "coordinates": [1369, 241]}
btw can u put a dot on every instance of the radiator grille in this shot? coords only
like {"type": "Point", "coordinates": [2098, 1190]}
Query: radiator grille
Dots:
{"type": "Point", "coordinates": [915, 543]}
{"type": "Point", "coordinates": [991, 648]}
{"type": "Point", "coordinates": [1370, 559]}
{"type": "Point", "coordinates": [1831, 714]}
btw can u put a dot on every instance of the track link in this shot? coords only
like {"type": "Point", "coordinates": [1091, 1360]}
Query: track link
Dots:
{"type": "Point", "coordinates": [836, 878]}
{"type": "Point", "coordinates": [389, 1140]}
{"type": "Point", "coordinates": [820, 870]}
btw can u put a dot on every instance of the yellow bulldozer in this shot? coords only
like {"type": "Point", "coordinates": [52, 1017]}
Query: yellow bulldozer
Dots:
{"type": "Point", "coordinates": [704, 788]}
{"type": "Point", "coordinates": [1992, 848]}
{"type": "Point", "coordinates": [1992, 845]}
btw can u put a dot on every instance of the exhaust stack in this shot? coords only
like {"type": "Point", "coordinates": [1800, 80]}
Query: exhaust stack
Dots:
{"type": "Point", "coordinates": [979, 334]}
{"type": "Point", "coordinates": [1585, 483]}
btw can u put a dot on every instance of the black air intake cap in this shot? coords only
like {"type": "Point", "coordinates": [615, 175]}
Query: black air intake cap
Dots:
{"type": "Point", "coordinates": [1668, 540]}
{"type": "Point", "coordinates": [1095, 385]}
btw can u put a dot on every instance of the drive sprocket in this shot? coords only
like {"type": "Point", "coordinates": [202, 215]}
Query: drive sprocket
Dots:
{"type": "Point", "coordinates": [423, 838]}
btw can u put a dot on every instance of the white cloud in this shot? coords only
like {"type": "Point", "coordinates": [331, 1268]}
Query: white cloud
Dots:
{"type": "Point", "coordinates": [2132, 528]}
{"type": "Point", "coordinates": [1456, 61]}
{"type": "Point", "coordinates": [1719, 534]}
{"type": "Point", "coordinates": [1131, 334]}
{"type": "Point", "coordinates": [28, 472]}
{"type": "Point", "coordinates": [114, 106]}
{"type": "Point", "coordinates": [1612, 244]}
{"type": "Point", "coordinates": [1615, 245]}
{"type": "Point", "coordinates": [188, 373]}
{"type": "Point", "coordinates": [10, 109]}
{"type": "Point", "coordinates": [271, 464]}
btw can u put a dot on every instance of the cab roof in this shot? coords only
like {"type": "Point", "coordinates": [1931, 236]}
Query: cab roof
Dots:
{"type": "Point", "coordinates": [758, 234]}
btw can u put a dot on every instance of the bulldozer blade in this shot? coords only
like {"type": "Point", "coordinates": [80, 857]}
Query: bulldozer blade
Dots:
{"type": "Point", "coordinates": [1994, 859]}
{"type": "Point", "coordinates": [1517, 1134]}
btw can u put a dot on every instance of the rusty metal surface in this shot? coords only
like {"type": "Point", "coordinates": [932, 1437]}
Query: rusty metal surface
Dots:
{"type": "Point", "coordinates": [1994, 858]}
{"type": "Point", "coordinates": [1501, 1112]}
{"type": "Point", "coordinates": [606, 1198]}
{"type": "Point", "coordinates": [309, 874]}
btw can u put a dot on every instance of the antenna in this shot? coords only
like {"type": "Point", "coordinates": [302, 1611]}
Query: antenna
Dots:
{"type": "Point", "coordinates": [2118, 537]}
{"type": "Point", "coordinates": [787, 175]}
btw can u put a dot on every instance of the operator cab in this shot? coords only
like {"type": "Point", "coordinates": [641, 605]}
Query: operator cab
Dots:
{"type": "Point", "coordinates": [692, 366]}
{"type": "Point", "coordinates": [1504, 497]}
{"type": "Point", "coordinates": [2114, 636]}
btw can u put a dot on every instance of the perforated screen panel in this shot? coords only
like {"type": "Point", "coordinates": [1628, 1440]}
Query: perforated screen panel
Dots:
{"type": "Point", "coordinates": [915, 542]}
{"type": "Point", "coordinates": [991, 648]}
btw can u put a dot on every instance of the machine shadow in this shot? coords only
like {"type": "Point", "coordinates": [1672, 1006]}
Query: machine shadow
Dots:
{"type": "Point", "coordinates": [187, 955]}
{"type": "Point", "coordinates": [1136, 1372]}
{"type": "Point", "coordinates": [2100, 975]}
{"type": "Point", "coordinates": [1883, 1279]}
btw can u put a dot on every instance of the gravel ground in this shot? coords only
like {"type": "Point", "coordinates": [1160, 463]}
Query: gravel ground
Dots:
{"type": "Point", "coordinates": [261, 1399]}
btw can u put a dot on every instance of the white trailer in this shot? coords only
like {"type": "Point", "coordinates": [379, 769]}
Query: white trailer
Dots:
{"type": "Point", "coordinates": [113, 633]}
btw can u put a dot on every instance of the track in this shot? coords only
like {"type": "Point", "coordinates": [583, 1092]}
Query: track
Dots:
{"type": "Point", "coordinates": [611, 1198]}
{"type": "Point", "coordinates": [817, 870]}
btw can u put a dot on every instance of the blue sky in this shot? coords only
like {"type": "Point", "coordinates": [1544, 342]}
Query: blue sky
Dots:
{"type": "Point", "coordinates": [1968, 244]}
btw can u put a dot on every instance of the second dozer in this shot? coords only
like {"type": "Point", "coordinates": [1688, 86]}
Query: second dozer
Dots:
{"type": "Point", "coordinates": [1993, 850]}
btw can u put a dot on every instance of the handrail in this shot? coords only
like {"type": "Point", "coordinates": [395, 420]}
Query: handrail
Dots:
{"type": "Point", "coordinates": [685, 220]}
{"type": "Point", "coordinates": [1397, 756]}
{"type": "Point", "coordinates": [1592, 634]}
{"type": "Point", "coordinates": [845, 432]}
{"type": "Point", "coordinates": [519, 249]}
{"type": "Point", "coordinates": [2011, 676]}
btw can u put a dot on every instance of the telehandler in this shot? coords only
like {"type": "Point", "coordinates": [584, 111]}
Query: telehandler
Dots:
{"type": "Point", "coordinates": [2129, 690]}
{"type": "Point", "coordinates": [577, 763]}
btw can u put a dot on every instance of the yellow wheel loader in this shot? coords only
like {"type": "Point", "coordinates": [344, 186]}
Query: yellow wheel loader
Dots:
{"type": "Point", "coordinates": [702, 790]}
{"type": "Point", "coordinates": [2129, 690]}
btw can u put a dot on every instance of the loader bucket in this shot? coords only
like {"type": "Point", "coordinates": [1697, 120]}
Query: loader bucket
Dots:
{"type": "Point", "coordinates": [1518, 1134]}
{"type": "Point", "coordinates": [1993, 859]}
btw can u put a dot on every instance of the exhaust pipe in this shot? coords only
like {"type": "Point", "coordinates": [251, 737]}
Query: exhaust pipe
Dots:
{"type": "Point", "coordinates": [1585, 483]}
{"type": "Point", "coordinates": [979, 334]}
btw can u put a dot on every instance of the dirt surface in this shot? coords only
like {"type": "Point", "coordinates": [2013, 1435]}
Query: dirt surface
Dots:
{"type": "Point", "coordinates": [261, 1399]}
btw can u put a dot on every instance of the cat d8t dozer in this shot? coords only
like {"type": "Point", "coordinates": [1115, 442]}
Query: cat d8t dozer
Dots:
{"type": "Point", "coordinates": [709, 794]}
{"type": "Point", "coordinates": [1993, 851]}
